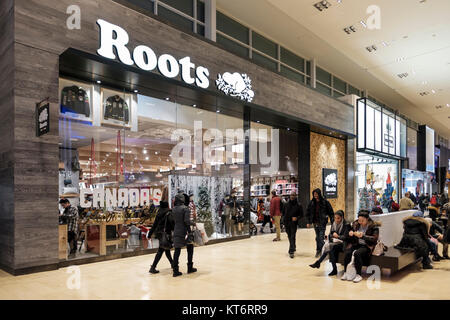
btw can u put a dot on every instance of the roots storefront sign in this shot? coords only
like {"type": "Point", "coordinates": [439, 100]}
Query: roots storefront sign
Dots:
{"type": "Point", "coordinates": [114, 40]}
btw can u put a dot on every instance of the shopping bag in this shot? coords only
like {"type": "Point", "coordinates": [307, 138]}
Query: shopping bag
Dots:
{"type": "Point", "coordinates": [351, 270]}
{"type": "Point", "coordinates": [326, 247]}
{"type": "Point", "coordinates": [201, 227]}
{"type": "Point", "coordinates": [198, 241]}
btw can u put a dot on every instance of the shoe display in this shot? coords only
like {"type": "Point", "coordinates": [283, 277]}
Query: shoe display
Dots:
{"type": "Point", "coordinates": [357, 279]}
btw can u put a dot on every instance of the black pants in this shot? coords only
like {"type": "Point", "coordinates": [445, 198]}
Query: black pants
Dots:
{"type": "Point", "coordinates": [223, 227]}
{"type": "Point", "coordinates": [291, 230]}
{"type": "Point", "coordinates": [190, 255]}
{"type": "Point", "coordinates": [267, 219]}
{"type": "Point", "coordinates": [72, 240]}
{"type": "Point", "coordinates": [159, 255]}
{"type": "Point", "coordinates": [334, 254]}
{"type": "Point", "coordinates": [362, 255]}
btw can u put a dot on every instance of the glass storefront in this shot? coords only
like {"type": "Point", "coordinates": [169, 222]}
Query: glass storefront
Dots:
{"type": "Point", "coordinates": [416, 182]}
{"type": "Point", "coordinates": [376, 181]}
{"type": "Point", "coordinates": [120, 151]}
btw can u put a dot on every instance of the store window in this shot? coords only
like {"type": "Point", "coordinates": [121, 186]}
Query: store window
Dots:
{"type": "Point", "coordinates": [264, 61]}
{"type": "Point", "coordinates": [232, 46]}
{"type": "Point", "coordinates": [185, 6]}
{"type": "Point", "coordinates": [264, 45]}
{"type": "Point", "coordinates": [292, 59]}
{"type": "Point", "coordinates": [416, 182]}
{"type": "Point", "coordinates": [376, 181]}
{"type": "Point", "coordinates": [380, 130]}
{"type": "Point", "coordinates": [232, 28]}
{"type": "Point", "coordinates": [281, 174]}
{"type": "Point", "coordinates": [323, 76]}
{"type": "Point", "coordinates": [119, 153]}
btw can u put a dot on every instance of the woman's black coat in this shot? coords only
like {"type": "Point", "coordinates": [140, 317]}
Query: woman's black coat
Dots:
{"type": "Point", "coordinates": [160, 221]}
{"type": "Point", "coordinates": [182, 217]}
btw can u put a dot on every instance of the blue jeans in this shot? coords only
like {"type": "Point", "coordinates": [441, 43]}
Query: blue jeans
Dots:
{"type": "Point", "coordinates": [320, 236]}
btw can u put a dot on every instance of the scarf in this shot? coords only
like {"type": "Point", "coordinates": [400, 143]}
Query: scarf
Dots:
{"type": "Point", "coordinates": [337, 227]}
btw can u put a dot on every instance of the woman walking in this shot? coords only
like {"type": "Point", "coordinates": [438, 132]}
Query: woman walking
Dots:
{"type": "Point", "coordinates": [163, 224]}
{"type": "Point", "coordinates": [181, 215]}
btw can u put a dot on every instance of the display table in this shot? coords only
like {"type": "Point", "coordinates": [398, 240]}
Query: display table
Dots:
{"type": "Point", "coordinates": [391, 230]}
{"type": "Point", "coordinates": [96, 235]}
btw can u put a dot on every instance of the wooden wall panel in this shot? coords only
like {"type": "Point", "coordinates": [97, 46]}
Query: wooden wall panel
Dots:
{"type": "Point", "coordinates": [7, 133]}
{"type": "Point", "coordinates": [329, 153]}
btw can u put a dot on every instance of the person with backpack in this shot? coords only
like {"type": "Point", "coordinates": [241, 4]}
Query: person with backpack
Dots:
{"type": "Point", "coordinates": [163, 226]}
{"type": "Point", "coordinates": [181, 215]}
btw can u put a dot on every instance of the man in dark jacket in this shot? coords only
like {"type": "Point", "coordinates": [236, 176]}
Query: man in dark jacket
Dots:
{"type": "Point", "coordinates": [163, 220]}
{"type": "Point", "coordinates": [361, 240]}
{"type": "Point", "coordinates": [415, 236]}
{"type": "Point", "coordinates": [182, 217]}
{"type": "Point", "coordinates": [292, 212]}
{"type": "Point", "coordinates": [338, 235]}
{"type": "Point", "coordinates": [318, 212]}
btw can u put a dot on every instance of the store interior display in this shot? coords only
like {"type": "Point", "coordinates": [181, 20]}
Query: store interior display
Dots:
{"type": "Point", "coordinates": [127, 142]}
{"type": "Point", "coordinates": [377, 182]}
{"type": "Point", "coordinates": [76, 99]}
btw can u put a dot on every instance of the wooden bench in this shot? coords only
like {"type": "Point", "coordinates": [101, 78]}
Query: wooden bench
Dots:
{"type": "Point", "coordinates": [393, 259]}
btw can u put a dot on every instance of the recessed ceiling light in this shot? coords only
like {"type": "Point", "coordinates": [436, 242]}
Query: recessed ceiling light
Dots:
{"type": "Point", "coordinates": [218, 111]}
{"type": "Point", "coordinates": [384, 43]}
{"type": "Point", "coordinates": [433, 91]}
{"type": "Point", "coordinates": [146, 158]}
{"type": "Point", "coordinates": [98, 81]}
{"type": "Point", "coordinates": [144, 151]}
{"type": "Point", "coordinates": [194, 105]}
{"type": "Point", "coordinates": [136, 91]}
{"type": "Point", "coordinates": [258, 121]}
{"type": "Point", "coordinates": [448, 105]}
{"type": "Point", "coordinates": [167, 99]}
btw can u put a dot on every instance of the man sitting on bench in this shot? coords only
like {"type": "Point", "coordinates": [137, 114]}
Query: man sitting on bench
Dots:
{"type": "Point", "coordinates": [362, 239]}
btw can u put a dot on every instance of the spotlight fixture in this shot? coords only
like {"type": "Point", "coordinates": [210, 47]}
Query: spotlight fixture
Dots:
{"type": "Point", "coordinates": [425, 93]}
{"type": "Point", "coordinates": [98, 81]}
{"type": "Point", "coordinates": [369, 49]}
{"type": "Point", "coordinates": [136, 91]}
{"type": "Point", "coordinates": [146, 158]}
{"type": "Point", "coordinates": [167, 99]}
{"type": "Point", "coordinates": [438, 107]}
{"type": "Point", "coordinates": [384, 43]}
{"type": "Point", "coordinates": [402, 75]}
{"type": "Point", "coordinates": [433, 91]}
{"type": "Point", "coordinates": [322, 5]}
{"type": "Point", "coordinates": [194, 105]}
{"type": "Point", "coordinates": [352, 28]}
{"type": "Point", "coordinates": [347, 30]}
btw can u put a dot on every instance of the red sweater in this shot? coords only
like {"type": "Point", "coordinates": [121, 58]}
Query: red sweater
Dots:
{"type": "Point", "coordinates": [275, 206]}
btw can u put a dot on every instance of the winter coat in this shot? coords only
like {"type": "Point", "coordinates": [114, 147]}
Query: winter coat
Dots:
{"type": "Point", "coordinates": [415, 236]}
{"type": "Point", "coordinates": [158, 226]}
{"type": "Point", "coordinates": [325, 210]}
{"type": "Point", "coordinates": [275, 207]}
{"type": "Point", "coordinates": [182, 217]}
{"type": "Point", "coordinates": [292, 209]}
{"type": "Point", "coordinates": [370, 237]}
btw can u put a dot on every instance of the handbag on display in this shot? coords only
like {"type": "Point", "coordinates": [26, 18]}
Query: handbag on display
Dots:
{"type": "Point", "coordinates": [67, 178]}
{"type": "Point", "coordinates": [165, 241]}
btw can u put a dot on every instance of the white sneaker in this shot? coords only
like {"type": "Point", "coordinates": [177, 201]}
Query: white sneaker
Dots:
{"type": "Point", "coordinates": [357, 279]}
{"type": "Point", "coordinates": [344, 276]}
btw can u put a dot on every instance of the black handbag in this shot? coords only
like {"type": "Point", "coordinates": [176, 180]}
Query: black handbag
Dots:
{"type": "Point", "coordinates": [165, 241]}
